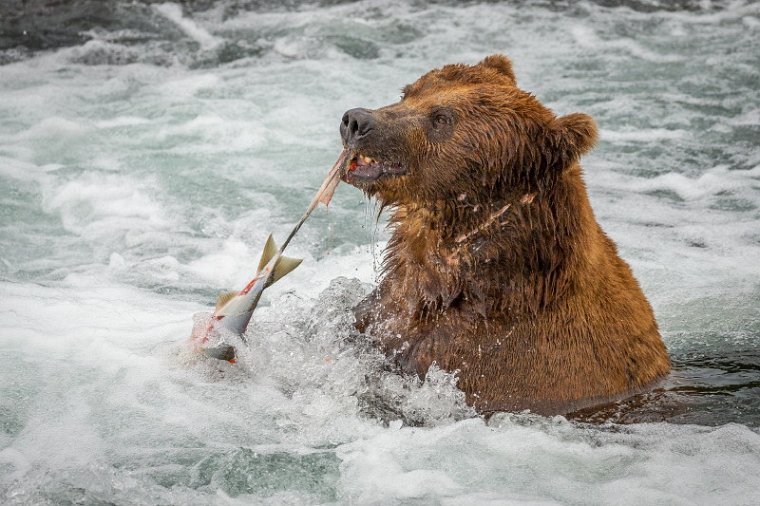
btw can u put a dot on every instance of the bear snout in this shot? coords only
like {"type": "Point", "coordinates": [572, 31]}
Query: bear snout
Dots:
{"type": "Point", "coordinates": [356, 125]}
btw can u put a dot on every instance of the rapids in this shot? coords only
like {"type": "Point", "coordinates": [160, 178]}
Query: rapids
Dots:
{"type": "Point", "coordinates": [148, 149]}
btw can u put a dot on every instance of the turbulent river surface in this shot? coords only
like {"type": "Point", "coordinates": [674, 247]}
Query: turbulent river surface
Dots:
{"type": "Point", "coordinates": [148, 149]}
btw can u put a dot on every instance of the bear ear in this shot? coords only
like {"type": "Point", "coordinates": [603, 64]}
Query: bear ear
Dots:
{"type": "Point", "coordinates": [572, 136]}
{"type": "Point", "coordinates": [500, 63]}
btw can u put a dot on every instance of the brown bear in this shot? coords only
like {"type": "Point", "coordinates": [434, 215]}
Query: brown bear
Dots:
{"type": "Point", "coordinates": [496, 268]}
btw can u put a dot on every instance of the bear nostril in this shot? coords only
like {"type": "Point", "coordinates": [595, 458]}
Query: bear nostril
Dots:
{"type": "Point", "coordinates": [356, 124]}
{"type": "Point", "coordinates": [364, 129]}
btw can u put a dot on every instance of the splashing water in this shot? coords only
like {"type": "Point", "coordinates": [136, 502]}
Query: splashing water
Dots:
{"type": "Point", "coordinates": [147, 150]}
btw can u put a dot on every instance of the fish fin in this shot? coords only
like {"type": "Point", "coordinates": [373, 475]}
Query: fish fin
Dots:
{"type": "Point", "coordinates": [222, 352]}
{"type": "Point", "coordinates": [270, 250]}
{"type": "Point", "coordinates": [283, 266]}
{"type": "Point", "coordinates": [224, 298]}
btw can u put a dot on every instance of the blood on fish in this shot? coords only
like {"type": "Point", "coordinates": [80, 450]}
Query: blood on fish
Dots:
{"type": "Point", "coordinates": [248, 287]}
{"type": "Point", "coordinates": [271, 259]}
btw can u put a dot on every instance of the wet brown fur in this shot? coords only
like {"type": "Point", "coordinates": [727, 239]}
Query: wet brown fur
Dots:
{"type": "Point", "coordinates": [497, 267]}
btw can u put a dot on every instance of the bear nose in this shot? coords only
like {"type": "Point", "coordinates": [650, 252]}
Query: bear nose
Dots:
{"type": "Point", "coordinates": [356, 124]}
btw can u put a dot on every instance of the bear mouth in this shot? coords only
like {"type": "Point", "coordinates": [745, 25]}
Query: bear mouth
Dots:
{"type": "Point", "coordinates": [363, 170]}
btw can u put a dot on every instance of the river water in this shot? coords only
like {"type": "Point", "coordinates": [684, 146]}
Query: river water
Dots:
{"type": "Point", "coordinates": [147, 150]}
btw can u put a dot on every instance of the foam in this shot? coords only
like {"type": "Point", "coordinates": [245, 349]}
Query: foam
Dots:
{"type": "Point", "coordinates": [54, 127]}
{"type": "Point", "coordinates": [464, 456]}
{"type": "Point", "coordinates": [586, 37]}
{"type": "Point", "coordinates": [173, 12]}
{"type": "Point", "coordinates": [209, 128]}
{"type": "Point", "coordinates": [122, 121]}
{"type": "Point", "coordinates": [716, 181]}
{"type": "Point", "coordinates": [136, 360]}
{"type": "Point", "coordinates": [139, 178]}
{"type": "Point", "coordinates": [650, 135]}
{"type": "Point", "coordinates": [95, 206]}
{"type": "Point", "coordinates": [185, 87]}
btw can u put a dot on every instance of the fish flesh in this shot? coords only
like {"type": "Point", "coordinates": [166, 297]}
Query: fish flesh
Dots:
{"type": "Point", "coordinates": [233, 310]}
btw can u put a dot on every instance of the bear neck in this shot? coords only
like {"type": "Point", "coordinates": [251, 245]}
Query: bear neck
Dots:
{"type": "Point", "coordinates": [510, 255]}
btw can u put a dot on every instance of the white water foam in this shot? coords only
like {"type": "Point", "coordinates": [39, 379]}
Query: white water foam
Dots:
{"type": "Point", "coordinates": [173, 12]}
{"type": "Point", "coordinates": [138, 179]}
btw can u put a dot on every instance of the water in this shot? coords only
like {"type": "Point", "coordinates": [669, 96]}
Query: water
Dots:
{"type": "Point", "coordinates": [146, 151]}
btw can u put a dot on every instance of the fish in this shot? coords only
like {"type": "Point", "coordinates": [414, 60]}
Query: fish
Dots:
{"type": "Point", "coordinates": [234, 310]}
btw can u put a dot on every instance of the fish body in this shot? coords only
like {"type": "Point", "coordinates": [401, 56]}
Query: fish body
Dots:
{"type": "Point", "coordinates": [234, 309]}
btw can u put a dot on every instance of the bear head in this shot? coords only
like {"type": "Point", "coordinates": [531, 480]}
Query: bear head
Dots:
{"type": "Point", "coordinates": [461, 130]}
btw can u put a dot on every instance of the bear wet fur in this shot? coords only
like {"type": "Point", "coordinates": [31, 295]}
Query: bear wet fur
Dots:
{"type": "Point", "coordinates": [497, 268]}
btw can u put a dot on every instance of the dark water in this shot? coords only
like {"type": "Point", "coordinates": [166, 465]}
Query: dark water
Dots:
{"type": "Point", "coordinates": [28, 26]}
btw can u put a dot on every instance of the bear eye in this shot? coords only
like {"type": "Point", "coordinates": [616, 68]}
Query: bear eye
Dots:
{"type": "Point", "coordinates": [441, 118]}
{"type": "Point", "coordinates": [441, 124]}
